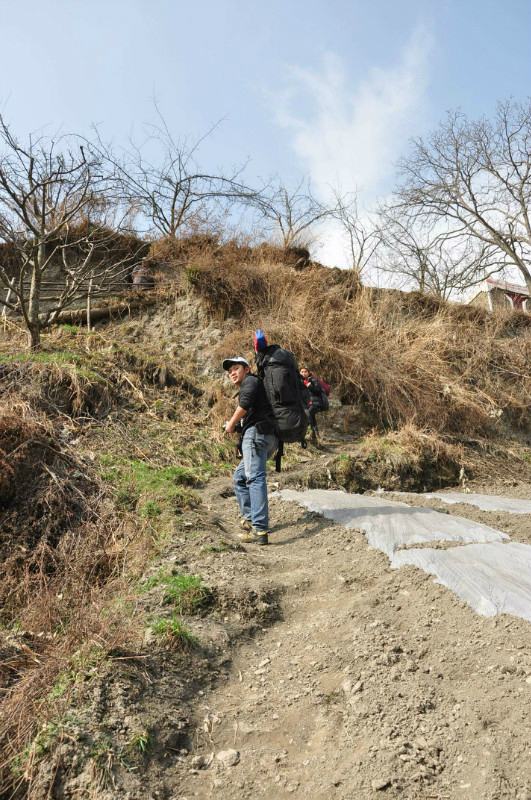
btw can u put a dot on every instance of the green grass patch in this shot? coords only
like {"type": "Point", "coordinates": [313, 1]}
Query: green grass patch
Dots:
{"type": "Point", "coordinates": [186, 592]}
{"type": "Point", "coordinates": [148, 489]}
{"type": "Point", "coordinates": [66, 326]}
{"type": "Point", "coordinates": [140, 742]}
{"type": "Point", "coordinates": [42, 357]}
{"type": "Point", "coordinates": [82, 664]}
{"type": "Point", "coordinates": [174, 632]}
{"type": "Point", "coordinates": [44, 741]}
{"type": "Point", "coordinates": [221, 547]}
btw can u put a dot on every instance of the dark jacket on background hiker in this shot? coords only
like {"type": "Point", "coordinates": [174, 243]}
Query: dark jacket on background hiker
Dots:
{"type": "Point", "coordinates": [315, 391]}
{"type": "Point", "coordinates": [317, 400]}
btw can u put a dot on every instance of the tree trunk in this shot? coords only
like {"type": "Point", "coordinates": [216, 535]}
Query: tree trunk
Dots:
{"type": "Point", "coordinates": [89, 305]}
{"type": "Point", "coordinates": [527, 278]}
{"type": "Point", "coordinates": [34, 302]}
{"type": "Point", "coordinates": [34, 337]}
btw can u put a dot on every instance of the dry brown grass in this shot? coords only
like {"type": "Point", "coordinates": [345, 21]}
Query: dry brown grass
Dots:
{"type": "Point", "coordinates": [74, 541]}
{"type": "Point", "coordinates": [66, 556]}
{"type": "Point", "coordinates": [411, 359]}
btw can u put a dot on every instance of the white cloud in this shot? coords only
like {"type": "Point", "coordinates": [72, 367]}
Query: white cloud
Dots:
{"type": "Point", "coordinates": [352, 134]}
{"type": "Point", "coordinates": [349, 134]}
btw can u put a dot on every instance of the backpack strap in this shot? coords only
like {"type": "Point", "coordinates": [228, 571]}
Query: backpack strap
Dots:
{"type": "Point", "coordinates": [278, 457]}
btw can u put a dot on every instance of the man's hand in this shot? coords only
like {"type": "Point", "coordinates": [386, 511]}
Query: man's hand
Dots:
{"type": "Point", "coordinates": [239, 414]}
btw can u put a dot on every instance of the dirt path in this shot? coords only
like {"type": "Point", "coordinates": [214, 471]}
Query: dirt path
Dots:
{"type": "Point", "coordinates": [376, 682]}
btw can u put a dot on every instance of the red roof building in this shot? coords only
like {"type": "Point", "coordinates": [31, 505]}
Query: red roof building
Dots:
{"type": "Point", "coordinates": [500, 295]}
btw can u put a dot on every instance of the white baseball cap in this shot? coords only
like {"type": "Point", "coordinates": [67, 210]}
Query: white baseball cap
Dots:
{"type": "Point", "coordinates": [236, 360]}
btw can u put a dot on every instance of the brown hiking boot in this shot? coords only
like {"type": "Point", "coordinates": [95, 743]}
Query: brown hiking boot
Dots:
{"type": "Point", "coordinates": [255, 537]}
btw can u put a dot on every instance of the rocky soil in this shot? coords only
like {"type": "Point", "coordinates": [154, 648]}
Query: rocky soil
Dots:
{"type": "Point", "coordinates": [376, 683]}
{"type": "Point", "coordinates": [321, 673]}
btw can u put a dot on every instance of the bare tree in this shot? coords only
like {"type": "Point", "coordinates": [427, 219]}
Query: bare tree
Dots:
{"type": "Point", "coordinates": [53, 199]}
{"type": "Point", "coordinates": [477, 176]}
{"type": "Point", "coordinates": [292, 214]}
{"type": "Point", "coordinates": [362, 235]}
{"type": "Point", "coordinates": [430, 259]}
{"type": "Point", "coordinates": [160, 177]}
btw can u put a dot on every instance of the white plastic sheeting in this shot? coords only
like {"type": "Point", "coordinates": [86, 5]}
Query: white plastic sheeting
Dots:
{"type": "Point", "coordinates": [483, 501]}
{"type": "Point", "coordinates": [389, 524]}
{"type": "Point", "coordinates": [492, 577]}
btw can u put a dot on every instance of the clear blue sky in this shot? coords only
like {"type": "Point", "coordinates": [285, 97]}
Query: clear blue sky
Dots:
{"type": "Point", "coordinates": [333, 90]}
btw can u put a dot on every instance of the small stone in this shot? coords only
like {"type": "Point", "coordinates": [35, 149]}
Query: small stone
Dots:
{"type": "Point", "coordinates": [380, 783]}
{"type": "Point", "coordinates": [149, 637]}
{"type": "Point", "coordinates": [358, 686]}
{"type": "Point", "coordinates": [246, 729]}
{"type": "Point", "coordinates": [229, 758]}
{"type": "Point", "coordinates": [264, 662]}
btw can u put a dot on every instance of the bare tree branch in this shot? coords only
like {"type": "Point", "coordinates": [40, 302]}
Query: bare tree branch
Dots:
{"type": "Point", "coordinates": [477, 175]}
{"type": "Point", "coordinates": [54, 199]}
{"type": "Point", "coordinates": [431, 258]}
{"type": "Point", "coordinates": [169, 190]}
{"type": "Point", "coordinates": [292, 214]}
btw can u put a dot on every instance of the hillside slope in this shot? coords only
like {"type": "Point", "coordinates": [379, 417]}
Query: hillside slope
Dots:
{"type": "Point", "coordinates": [129, 609]}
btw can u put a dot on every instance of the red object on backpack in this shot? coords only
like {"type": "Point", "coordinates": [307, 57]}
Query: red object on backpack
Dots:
{"type": "Point", "coordinates": [324, 386]}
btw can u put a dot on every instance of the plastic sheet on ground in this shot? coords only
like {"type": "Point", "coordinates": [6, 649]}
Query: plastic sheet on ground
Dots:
{"type": "Point", "coordinates": [492, 578]}
{"type": "Point", "coordinates": [483, 501]}
{"type": "Point", "coordinates": [390, 524]}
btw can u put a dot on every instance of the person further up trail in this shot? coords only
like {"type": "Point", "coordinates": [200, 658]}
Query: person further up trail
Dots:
{"type": "Point", "coordinates": [318, 397]}
{"type": "Point", "coordinates": [255, 422]}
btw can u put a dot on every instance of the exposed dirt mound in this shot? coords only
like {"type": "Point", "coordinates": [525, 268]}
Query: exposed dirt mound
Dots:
{"type": "Point", "coordinates": [58, 385]}
{"type": "Point", "coordinates": [43, 495]}
{"type": "Point", "coordinates": [42, 491]}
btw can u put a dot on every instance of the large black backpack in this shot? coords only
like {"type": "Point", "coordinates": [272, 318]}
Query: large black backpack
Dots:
{"type": "Point", "coordinates": [284, 389]}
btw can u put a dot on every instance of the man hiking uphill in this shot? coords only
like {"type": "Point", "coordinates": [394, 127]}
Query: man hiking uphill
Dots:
{"type": "Point", "coordinates": [254, 420]}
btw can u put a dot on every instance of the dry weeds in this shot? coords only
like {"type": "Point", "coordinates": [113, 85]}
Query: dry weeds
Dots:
{"type": "Point", "coordinates": [411, 359]}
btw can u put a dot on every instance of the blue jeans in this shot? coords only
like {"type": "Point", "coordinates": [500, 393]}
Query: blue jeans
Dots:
{"type": "Point", "coordinates": [250, 477]}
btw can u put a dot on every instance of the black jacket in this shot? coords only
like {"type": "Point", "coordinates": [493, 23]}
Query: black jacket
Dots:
{"type": "Point", "coordinates": [253, 399]}
{"type": "Point", "coordinates": [315, 390]}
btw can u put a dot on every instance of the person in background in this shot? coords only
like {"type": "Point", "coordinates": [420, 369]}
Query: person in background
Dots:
{"type": "Point", "coordinates": [318, 400]}
{"type": "Point", "coordinates": [142, 275]}
{"type": "Point", "coordinates": [254, 420]}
